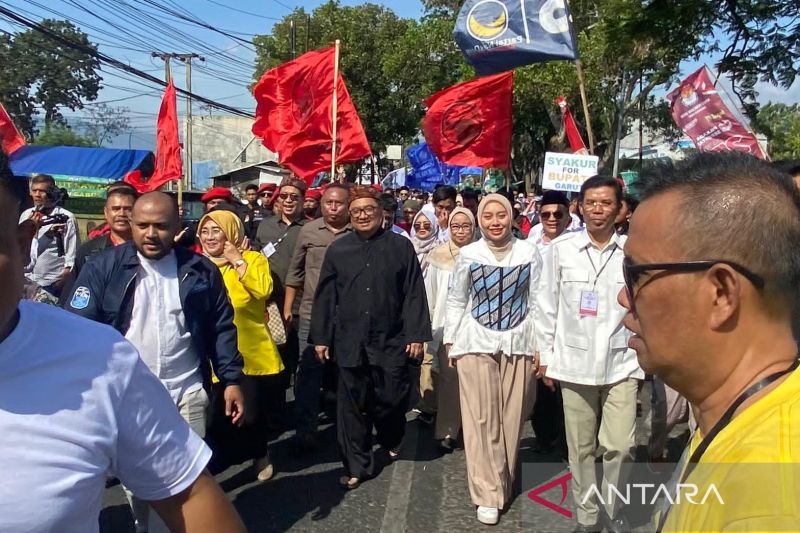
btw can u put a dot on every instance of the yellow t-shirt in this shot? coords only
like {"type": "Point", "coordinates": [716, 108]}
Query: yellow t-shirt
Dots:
{"type": "Point", "coordinates": [248, 297]}
{"type": "Point", "coordinates": [754, 464]}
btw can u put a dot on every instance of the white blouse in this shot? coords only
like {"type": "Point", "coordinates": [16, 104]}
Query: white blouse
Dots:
{"type": "Point", "coordinates": [462, 328]}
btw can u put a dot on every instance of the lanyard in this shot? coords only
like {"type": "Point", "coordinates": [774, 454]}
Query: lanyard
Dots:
{"type": "Point", "coordinates": [602, 267]}
{"type": "Point", "coordinates": [723, 422]}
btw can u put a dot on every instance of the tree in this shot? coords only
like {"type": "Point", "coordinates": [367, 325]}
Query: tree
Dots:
{"type": "Point", "coordinates": [40, 71]}
{"type": "Point", "coordinates": [781, 124]}
{"type": "Point", "coordinates": [105, 122]}
{"type": "Point", "coordinates": [62, 135]}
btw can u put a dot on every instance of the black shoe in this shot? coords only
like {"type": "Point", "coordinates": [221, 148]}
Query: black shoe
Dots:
{"type": "Point", "coordinates": [583, 528]}
{"type": "Point", "coordinates": [617, 525]}
{"type": "Point", "coordinates": [425, 418]}
{"type": "Point", "coordinates": [447, 444]}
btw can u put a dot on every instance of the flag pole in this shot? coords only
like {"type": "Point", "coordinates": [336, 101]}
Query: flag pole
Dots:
{"type": "Point", "coordinates": [335, 108]}
{"type": "Point", "coordinates": [582, 85]}
{"type": "Point", "coordinates": [743, 119]}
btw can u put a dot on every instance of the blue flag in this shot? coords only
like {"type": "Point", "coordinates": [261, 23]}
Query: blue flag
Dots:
{"type": "Point", "coordinates": [428, 171]}
{"type": "Point", "coordinates": [499, 35]}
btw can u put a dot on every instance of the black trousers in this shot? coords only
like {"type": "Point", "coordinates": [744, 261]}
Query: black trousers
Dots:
{"type": "Point", "coordinates": [548, 416]}
{"type": "Point", "coordinates": [233, 445]}
{"type": "Point", "coordinates": [370, 397]}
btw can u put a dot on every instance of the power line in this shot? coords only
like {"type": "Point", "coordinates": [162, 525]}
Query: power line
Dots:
{"type": "Point", "coordinates": [115, 62]}
{"type": "Point", "coordinates": [242, 11]}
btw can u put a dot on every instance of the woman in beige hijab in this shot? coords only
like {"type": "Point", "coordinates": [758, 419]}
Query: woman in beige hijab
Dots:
{"type": "Point", "coordinates": [441, 262]}
{"type": "Point", "coordinates": [489, 333]}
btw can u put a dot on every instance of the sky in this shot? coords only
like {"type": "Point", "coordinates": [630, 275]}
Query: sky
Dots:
{"type": "Point", "coordinates": [132, 37]}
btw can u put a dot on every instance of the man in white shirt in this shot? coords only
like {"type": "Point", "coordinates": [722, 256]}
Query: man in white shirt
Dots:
{"type": "Point", "coordinates": [74, 411]}
{"type": "Point", "coordinates": [50, 265]}
{"type": "Point", "coordinates": [584, 346]}
{"type": "Point", "coordinates": [171, 304]}
{"type": "Point", "coordinates": [554, 220]}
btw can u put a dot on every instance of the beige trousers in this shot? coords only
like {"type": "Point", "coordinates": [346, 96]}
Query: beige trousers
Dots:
{"type": "Point", "coordinates": [615, 405]}
{"type": "Point", "coordinates": [448, 406]}
{"type": "Point", "coordinates": [427, 384]}
{"type": "Point", "coordinates": [497, 394]}
{"type": "Point", "coordinates": [193, 407]}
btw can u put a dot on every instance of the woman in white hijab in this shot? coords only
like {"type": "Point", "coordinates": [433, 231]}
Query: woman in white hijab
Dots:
{"type": "Point", "coordinates": [424, 234]}
{"type": "Point", "coordinates": [441, 262]}
{"type": "Point", "coordinates": [489, 333]}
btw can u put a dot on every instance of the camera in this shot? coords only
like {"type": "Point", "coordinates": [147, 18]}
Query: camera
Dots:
{"type": "Point", "coordinates": [57, 195]}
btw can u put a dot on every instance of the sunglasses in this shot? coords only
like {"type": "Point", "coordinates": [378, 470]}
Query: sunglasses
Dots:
{"type": "Point", "coordinates": [286, 196]}
{"type": "Point", "coordinates": [265, 195]}
{"type": "Point", "coordinates": [558, 215]}
{"type": "Point", "coordinates": [426, 227]}
{"type": "Point", "coordinates": [631, 272]}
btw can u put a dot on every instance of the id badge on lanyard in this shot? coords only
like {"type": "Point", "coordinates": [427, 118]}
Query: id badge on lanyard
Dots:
{"type": "Point", "coordinates": [590, 300]}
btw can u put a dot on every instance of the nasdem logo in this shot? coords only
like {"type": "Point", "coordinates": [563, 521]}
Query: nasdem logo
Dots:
{"type": "Point", "coordinates": [487, 20]}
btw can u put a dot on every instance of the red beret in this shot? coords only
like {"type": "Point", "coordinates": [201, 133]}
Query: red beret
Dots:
{"type": "Point", "coordinates": [267, 187]}
{"type": "Point", "coordinates": [215, 193]}
{"type": "Point", "coordinates": [315, 194]}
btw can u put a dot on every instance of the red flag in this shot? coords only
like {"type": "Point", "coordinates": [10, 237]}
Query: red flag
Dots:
{"type": "Point", "coordinates": [470, 124]}
{"type": "Point", "coordinates": [699, 111]}
{"type": "Point", "coordinates": [10, 136]}
{"type": "Point", "coordinates": [169, 165]}
{"type": "Point", "coordinates": [294, 115]}
{"type": "Point", "coordinates": [571, 128]}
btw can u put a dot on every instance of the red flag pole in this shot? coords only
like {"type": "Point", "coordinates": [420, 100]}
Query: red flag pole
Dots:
{"type": "Point", "coordinates": [335, 109]}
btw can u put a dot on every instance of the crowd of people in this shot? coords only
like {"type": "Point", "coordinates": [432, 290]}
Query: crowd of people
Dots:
{"type": "Point", "coordinates": [480, 312]}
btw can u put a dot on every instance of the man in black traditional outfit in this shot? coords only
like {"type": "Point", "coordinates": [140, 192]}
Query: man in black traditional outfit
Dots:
{"type": "Point", "coordinates": [371, 314]}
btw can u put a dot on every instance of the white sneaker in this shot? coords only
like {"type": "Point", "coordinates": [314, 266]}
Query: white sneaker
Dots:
{"type": "Point", "coordinates": [488, 515]}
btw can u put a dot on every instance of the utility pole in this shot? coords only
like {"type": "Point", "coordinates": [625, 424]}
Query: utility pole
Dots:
{"type": "Point", "coordinates": [187, 59]}
{"type": "Point", "coordinates": [293, 38]}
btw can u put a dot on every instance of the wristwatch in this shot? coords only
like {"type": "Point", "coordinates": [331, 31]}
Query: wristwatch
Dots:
{"type": "Point", "coordinates": [239, 262]}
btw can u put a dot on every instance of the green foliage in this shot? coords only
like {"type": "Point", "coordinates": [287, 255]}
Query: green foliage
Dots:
{"type": "Point", "coordinates": [628, 49]}
{"type": "Point", "coordinates": [40, 72]}
{"type": "Point", "coordinates": [61, 135]}
{"type": "Point", "coordinates": [781, 124]}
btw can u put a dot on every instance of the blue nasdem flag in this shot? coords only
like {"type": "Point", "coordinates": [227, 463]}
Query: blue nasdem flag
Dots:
{"type": "Point", "coordinates": [428, 171]}
{"type": "Point", "coordinates": [499, 35]}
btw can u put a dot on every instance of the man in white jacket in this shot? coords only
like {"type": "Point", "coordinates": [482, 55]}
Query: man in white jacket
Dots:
{"type": "Point", "coordinates": [583, 345]}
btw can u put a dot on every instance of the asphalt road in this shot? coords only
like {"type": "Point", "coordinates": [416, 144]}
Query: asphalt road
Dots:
{"type": "Point", "coordinates": [424, 491]}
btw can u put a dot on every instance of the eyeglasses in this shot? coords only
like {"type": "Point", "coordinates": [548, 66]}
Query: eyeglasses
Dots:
{"type": "Point", "coordinates": [426, 227]}
{"type": "Point", "coordinates": [631, 273]}
{"type": "Point", "coordinates": [286, 196]}
{"type": "Point", "coordinates": [455, 228]}
{"type": "Point", "coordinates": [558, 215]}
{"type": "Point", "coordinates": [211, 232]}
{"type": "Point", "coordinates": [358, 211]}
{"type": "Point", "coordinates": [605, 204]}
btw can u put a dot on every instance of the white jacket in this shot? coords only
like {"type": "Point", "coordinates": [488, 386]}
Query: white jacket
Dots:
{"type": "Point", "coordinates": [589, 350]}
{"type": "Point", "coordinates": [462, 330]}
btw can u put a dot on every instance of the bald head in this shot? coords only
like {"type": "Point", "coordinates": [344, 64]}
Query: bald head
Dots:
{"type": "Point", "coordinates": [154, 224]}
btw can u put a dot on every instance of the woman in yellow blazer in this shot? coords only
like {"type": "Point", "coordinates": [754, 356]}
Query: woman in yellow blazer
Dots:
{"type": "Point", "coordinates": [249, 284]}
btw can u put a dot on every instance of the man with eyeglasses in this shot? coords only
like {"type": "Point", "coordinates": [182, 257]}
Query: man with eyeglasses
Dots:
{"type": "Point", "coordinates": [370, 313]}
{"type": "Point", "coordinates": [712, 268]}
{"type": "Point", "coordinates": [277, 236]}
{"type": "Point", "coordinates": [584, 346]}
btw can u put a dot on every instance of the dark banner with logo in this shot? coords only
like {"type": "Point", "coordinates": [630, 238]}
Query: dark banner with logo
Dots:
{"type": "Point", "coordinates": [499, 35]}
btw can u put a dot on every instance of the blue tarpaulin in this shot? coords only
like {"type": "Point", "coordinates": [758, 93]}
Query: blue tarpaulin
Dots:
{"type": "Point", "coordinates": [105, 163]}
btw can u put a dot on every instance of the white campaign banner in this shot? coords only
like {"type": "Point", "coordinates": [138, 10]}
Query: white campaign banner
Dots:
{"type": "Point", "coordinates": [567, 172]}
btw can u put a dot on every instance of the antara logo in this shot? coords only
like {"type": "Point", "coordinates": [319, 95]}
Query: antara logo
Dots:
{"type": "Point", "coordinates": [688, 493]}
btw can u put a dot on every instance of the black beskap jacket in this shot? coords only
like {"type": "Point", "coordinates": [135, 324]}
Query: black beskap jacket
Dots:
{"type": "Point", "coordinates": [104, 292]}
